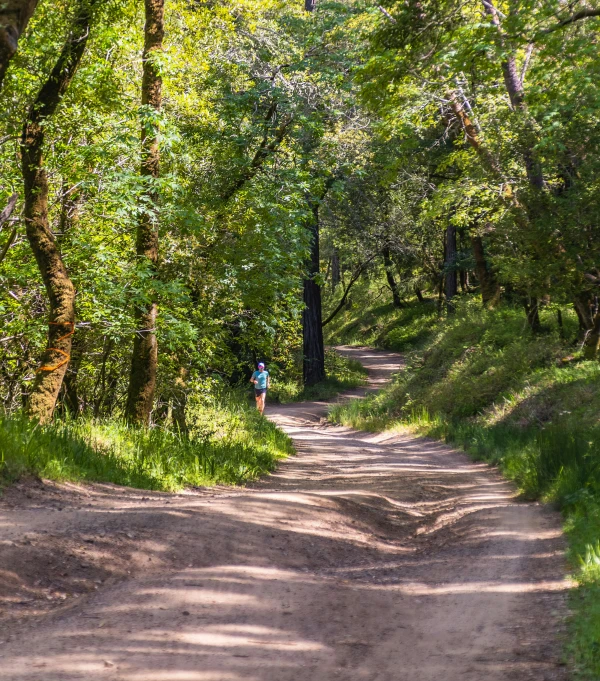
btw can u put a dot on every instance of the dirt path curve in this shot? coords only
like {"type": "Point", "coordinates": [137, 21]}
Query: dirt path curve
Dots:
{"type": "Point", "coordinates": [365, 558]}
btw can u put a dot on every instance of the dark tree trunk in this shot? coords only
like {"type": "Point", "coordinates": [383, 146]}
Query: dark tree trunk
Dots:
{"type": "Point", "coordinates": [70, 397]}
{"type": "Point", "coordinates": [142, 382]}
{"type": "Point", "coordinates": [335, 269]}
{"type": "Point", "coordinates": [488, 286]}
{"type": "Point", "coordinates": [313, 347]}
{"type": "Point", "coordinates": [389, 273]}
{"type": "Point", "coordinates": [60, 290]}
{"type": "Point", "coordinates": [419, 295]}
{"type": "Point", "coordinates": [585, 308]}
{"type": "Point", "coordinates": [532, 309]}
{"type": "Point", "coordinates": [14, 17]}
{"type": "Point", "coordinates": [451, 283]}
{"type": "Point", "coordinates": [180, 401]}
{"type": "Point", "coordinates": [559, 321]}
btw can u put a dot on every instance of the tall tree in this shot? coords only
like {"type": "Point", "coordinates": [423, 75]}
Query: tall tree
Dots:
{"type": "Point", "coordinates": [14, 17]}
{"type": "Point", "coordinates": [389, 274]}
{"type": "Point", "coordinates": [450, 266]}
{"type": "Point", "coordinates": [313, 348]}
{"type": "Point", "coordinates": [488, 286]}
{"type": "Point", "coordinates": [60, 289]}
{"type": "Point", "coordinates": [142, 381]}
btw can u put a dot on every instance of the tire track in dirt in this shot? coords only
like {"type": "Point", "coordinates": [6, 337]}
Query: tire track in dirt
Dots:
{"type": "Point", "coordinates": [365, 558]}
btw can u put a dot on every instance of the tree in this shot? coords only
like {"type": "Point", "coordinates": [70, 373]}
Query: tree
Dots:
{"type": "Point", "coordinates": [14, 17]}
{"type": "Point", "coordinates": [389, 273]}
{"type": "Point", "coordinates": [450, 266]}
{"type": "Point", "coordinates": [142, 382]}
{"type": "Point", "coordinates": [59, 287]}
{"type": "Point", "coordinates": [313, 347]}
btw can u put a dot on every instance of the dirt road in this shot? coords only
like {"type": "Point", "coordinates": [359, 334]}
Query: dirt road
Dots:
{"type": "Point", "coordinates": [364, 558]}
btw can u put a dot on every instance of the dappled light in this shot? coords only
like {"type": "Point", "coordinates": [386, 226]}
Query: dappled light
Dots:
{"type": "Point", "coordinates": [359, 556]}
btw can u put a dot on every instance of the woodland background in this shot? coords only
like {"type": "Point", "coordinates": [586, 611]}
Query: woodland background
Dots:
{"type": "Point", "coordinates": [189, 187]}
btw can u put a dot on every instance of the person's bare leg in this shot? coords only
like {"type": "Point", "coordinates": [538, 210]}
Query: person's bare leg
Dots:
{"type": "Point", "coordinates": [263, 398]}
{"type": "Point", "coordinates": [258, 402]}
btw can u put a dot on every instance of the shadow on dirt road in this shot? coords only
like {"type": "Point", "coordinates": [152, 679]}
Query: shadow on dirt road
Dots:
{"type": "Point", "coordinates": [364, 558]}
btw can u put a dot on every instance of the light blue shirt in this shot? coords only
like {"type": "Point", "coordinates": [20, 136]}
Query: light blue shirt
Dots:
{"type": "Point", "coordinates": [261, 379]}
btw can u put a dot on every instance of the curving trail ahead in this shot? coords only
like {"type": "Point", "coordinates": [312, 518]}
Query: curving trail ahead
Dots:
{"type": "Point", "coordinates": [364, 558]}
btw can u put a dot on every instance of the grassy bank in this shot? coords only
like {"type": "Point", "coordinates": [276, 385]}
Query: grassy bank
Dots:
{"type": "Point", "coordinates": [228, 443]}
{"type": "Point", "coordinates": [342, 374]}
{"type": "Point", "coordinates": [529, 404]}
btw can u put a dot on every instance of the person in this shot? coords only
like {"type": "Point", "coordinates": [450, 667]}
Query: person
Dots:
{"type": "Point", "coordinates": [262, 381]}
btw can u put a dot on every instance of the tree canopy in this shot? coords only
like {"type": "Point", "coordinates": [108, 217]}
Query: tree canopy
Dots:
{"type": "Point", "coordinates": [429, 143]}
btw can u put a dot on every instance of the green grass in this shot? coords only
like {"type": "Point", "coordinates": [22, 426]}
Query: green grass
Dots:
{"type": "Point", "coordinates": [529, 404]}
{"type": "Point", "coordinates": [238, 445]}
{"type": "Point", "coordinates": [370, 320]}
{"type": "Point", "coordinates": [342, 374]}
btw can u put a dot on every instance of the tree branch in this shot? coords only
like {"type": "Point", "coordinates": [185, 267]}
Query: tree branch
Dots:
{"type": "Point", "coordinates": [8, 209]}
{"type": "Point", "coordinates": [263, 152]}
{"type": "Point", "coordinates": [8, 244]}
{"type": "Point", "coordinates": [353, 279]}
{"type": "Point", "coordinates": [386, 14]}
{"type": "Point", "coordinates": [578, 16]}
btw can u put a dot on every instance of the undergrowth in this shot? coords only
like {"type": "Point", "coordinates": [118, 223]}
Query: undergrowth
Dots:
{"type": "Point", "coordinates": [526, 403]}
{"type": "Point", "coordinates": [342, 373]}
{"type": "Point", "coordinates": [369, 320]}
{"type": "Point", "coordinates": [228, 443]}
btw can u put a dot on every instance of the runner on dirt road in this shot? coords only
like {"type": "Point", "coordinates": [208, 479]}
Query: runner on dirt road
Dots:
{"type": "Point", "coordinates": [262, 381]}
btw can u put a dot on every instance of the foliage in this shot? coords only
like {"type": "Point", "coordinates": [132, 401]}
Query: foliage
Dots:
{"type": "Point", "coordinates": [342, 374]}
{"type": "Point", "coordinates": [364, 323]}
{"type": "Point", "coordinates": [526, 403]}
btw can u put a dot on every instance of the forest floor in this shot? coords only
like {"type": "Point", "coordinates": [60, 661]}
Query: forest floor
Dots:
{"type": "Point", "coordinates": [366, 557]}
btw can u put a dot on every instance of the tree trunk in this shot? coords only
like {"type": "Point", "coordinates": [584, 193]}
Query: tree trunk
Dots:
{"type": "Point", "coordinates": [419, 294]}
{"type": "Point", "coordinates": [313, 347]}
{"type": "Point", "coordinates": [532, 309]}
{"type": "Point", "coordinates": [335, 269]}
{"type": "Point", "coordinates": [14, 17]}
{"type": "Point", "coordinates": [70, 397]}
{"type": "Point", "coordinates": [451, 283]}
{"type": "Point", "coordinates": [585, 308]}
{"type": "Point", "coordinates": [592, 339]}
{"type": "Point", "coordinates": [180, 401]}
{"type": "Point", "coordinates": [516, 94]}
{"type": "Point", "coordinates": [488, 286]}
{"type": "Point", "coordinates": [60, 290]}
{"type": "Point", "coordinates": [389, 273]}
{"type": "Point", "coordinates": [142, 381]}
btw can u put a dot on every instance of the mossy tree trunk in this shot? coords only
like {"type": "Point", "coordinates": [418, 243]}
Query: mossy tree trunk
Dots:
{"type": "Point", "coordinates": [14, 17]}
{"type": "Point", "coordinates": [60, 289]}
{"type": "Point", "coordinates": [142, 381]}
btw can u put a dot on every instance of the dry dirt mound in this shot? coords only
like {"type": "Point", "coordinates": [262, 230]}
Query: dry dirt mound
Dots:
{"type": "Point", "coordinates": [364, 558]}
